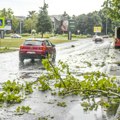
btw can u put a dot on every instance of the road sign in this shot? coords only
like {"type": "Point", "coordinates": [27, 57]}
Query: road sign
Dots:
{"type": "Point", "coordinates": [2, 22]}
{"type": "Point", "coordinates": [7, 23]}
{"type": "Point", "coordinates": [97, 29]}
{"type": "Point", "coordinates": [72, 25]}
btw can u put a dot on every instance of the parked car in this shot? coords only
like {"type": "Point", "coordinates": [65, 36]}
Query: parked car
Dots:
{"type": "Point", "coordinates": [97, 38]}
{"type": "Point", "coordinates": [36, 48]}
{"type": "Point", "coordinates": [15, 36]}
{"type": "Point", "coordinates": [105, 36]}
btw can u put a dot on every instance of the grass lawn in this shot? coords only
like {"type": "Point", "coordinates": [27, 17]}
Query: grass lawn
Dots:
{"type": "Point", "coordinates": [11, 42]}
{"type": "Point", "coordinates": [5, 49]}
{"type": "Point", "coordinates": [7, 44]}
{"type": "Point", "coordinates": [16, 42]}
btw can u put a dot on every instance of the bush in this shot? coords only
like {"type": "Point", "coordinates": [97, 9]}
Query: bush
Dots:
{"type": "Point", "coordinates": [7, 35]}
{"type": "Point", "coordinates": [26, 35]}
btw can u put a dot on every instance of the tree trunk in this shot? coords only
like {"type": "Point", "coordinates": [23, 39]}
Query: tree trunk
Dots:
{"type": "Point", "coordinates": [42, 35]}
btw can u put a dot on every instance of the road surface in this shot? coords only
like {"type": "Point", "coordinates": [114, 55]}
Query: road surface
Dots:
{"type": "Point", "coordinates": [82, 56]}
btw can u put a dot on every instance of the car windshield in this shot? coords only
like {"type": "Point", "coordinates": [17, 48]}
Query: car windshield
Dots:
{"type": "Point", "coordinates": [33, 42]}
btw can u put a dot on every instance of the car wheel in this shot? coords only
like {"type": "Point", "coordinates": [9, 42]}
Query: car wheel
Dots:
{"type": "Point", "coordinates": [21, 59]}
{"type": "Point", "coordinates": [53, 58]}
{"type": "Point", "coordinates": [32, 60]}
{"type": "Point", "coordinates": [46, 56]}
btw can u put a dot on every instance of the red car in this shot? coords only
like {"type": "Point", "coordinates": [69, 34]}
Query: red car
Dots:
{"type": "Point", "coordinates": [36, 48]}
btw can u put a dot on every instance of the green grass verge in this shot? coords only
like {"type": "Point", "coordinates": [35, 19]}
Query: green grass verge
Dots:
{"type": "Point", "coordinates": [11, 42]}
{"type": "Point", "coordinates": [16, 42]}
{"type": "Point", "coordinates": [8, 44]}
{"type": "Point", "coordinates": [58, 41]}
{"type": "Point", "coordinates": [5, 49]}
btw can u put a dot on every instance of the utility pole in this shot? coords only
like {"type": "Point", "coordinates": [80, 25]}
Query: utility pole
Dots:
{"type": "Point", "coordinates": [106, 16]}
{"type": "Point", "coordinates": [20, 27]}
{"type": "Point", "coordinates": [44, 2]}
{"type": "Point", "coordinates": [106, 25]}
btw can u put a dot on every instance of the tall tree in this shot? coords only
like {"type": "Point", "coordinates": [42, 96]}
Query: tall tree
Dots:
{"type": "Point", "coordinates": [93, 20]}
{"type": "Point", "coordinates": [86, 23]}
{"type": "Point", "coordinates": [44, 23]}
{"type": "Point", "coordinates": [30, 22]}
{"type": "Point", "coordinates": [7, 13]}
{"type": "Point", "coordinates": [82, 23]}
{"type": "Point", "coordinates": [113, 9]}
{"type": "Point", "coordinates": [15, 24]}
{"type": "Point", "coordinates": [31, 14]}
{"type": "Point", "coordinates": [107, 23]}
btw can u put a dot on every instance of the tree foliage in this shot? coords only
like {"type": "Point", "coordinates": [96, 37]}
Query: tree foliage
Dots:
{"type": "Point", "coordinates": [15, 24]}
{"type": "Point", "coordinates": [44, 23]}
{"type": "Point", "coordinates": [93, 20]}
{"type": "Point", "coordinates": [81, 23]}
{"type": "Point", "coordinates": [60, 81]}
{"type": "Point", "coordinates": [86, 23]}
{"type": "Point", "coordinates": [93, 85]}
{"type": "Point", "coordinates": [7, 13]}
{"type": "Point", "coordinates": [112, 9]}
{"type": "Point", "coordinates": [30, 22]}
{"type": "Point", "coordinates": [107, 23]}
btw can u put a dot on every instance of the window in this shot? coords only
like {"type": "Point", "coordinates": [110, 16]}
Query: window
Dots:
{"type": "Point", "coordinates": [48, 43]}
{"type": "Point", "coordinates": [33, 42]}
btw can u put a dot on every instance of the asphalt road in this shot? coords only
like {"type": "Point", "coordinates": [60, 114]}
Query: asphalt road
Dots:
{"type": "Point", "coordinates": [77, 54]}
{"type": "Point", "coordinates": [10, 68]}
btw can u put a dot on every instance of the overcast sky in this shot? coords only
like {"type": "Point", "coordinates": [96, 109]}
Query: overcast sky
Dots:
{"type": "Point", "coordinates": [55, 7]}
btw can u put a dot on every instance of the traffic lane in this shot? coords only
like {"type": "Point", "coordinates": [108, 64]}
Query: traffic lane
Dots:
{"type": "Point", "coordinates": [40, 102]}
{"type": "Point", "coordinates": [94, 54]}
{"type": "Point", "coordinates": [80, 47]}
{"type": "Point", "coordinates": [43, 105]}
{"type": "Point", "coordinates": [30, 69]}
{"type": "Point", "coordinates": [8, 66]}
{"type": "Point", "coordinates": [11, 68]}
{"type": "Point", "coordinates": [63, 53]}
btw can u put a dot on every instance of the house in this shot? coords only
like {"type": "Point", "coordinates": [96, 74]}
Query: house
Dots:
{"type": "Point", "coordinates": [59, 23]}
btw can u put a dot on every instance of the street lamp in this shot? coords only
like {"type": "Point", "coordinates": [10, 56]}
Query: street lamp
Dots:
{"type": "Point", "coordinates": [106, 16]}
{"type": "Point", "coordinates": [44, 2]}
{"type": "Point", "coordinates": [21, 27]}
{"type": "Point", "coordinates": [106, 25]}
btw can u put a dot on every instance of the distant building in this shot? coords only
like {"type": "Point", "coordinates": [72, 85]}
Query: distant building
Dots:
{"type": "Point", "coordinates": [21, 18]}
{"type": "Point", "coordinates": [59, 22]}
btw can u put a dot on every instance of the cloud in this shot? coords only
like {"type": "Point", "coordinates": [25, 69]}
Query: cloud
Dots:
{"type": "Point", "coordinates": [76, 7]}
